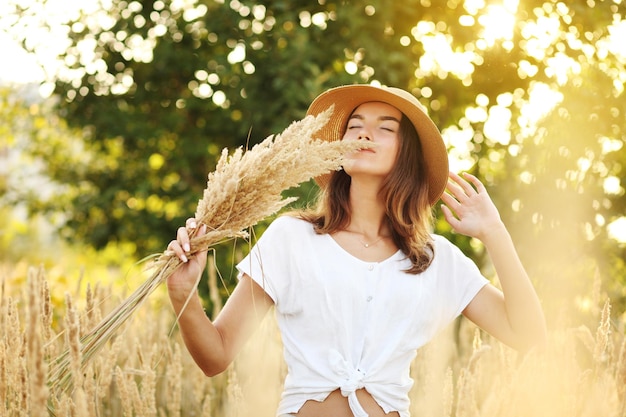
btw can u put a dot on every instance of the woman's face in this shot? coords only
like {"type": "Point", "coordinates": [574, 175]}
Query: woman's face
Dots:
{"type": "Point", "coordinates": [379, 123]}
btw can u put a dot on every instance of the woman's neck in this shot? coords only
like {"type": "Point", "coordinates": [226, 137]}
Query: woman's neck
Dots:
{"type": "Point", "coordinates": [367, 215]}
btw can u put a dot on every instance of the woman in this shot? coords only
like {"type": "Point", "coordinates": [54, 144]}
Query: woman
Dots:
{"type": "Point", "coordinates": [360, 283]}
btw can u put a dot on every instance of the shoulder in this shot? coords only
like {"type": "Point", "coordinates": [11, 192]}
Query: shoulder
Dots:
{"type": "Point", "coordinates": [441, 242]}
{"type": "Point", "coordinates": [450, 258]}
{"type": "Point", "coordinates": [444, 248]}
{"type": "Point", "coordinates": [289, 222]}
{"type": "Point", "coordinates": [286, 226]}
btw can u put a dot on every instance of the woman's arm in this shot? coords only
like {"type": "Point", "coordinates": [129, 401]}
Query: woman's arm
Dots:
{"type": "Point", "coordinates": [213, 345]}
{"type": "Point", "coordinates": [513, 315]}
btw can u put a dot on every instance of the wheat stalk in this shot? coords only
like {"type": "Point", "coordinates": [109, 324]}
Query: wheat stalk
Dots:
{"type": "Point", "coordinates": [245, 188]}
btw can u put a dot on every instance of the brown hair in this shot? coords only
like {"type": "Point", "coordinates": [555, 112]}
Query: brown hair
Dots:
{"type": "Point", "coordinates": [405, 192]}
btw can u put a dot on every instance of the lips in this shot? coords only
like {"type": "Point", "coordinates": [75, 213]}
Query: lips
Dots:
{"type": "Point", "coordinates": [367, 150]}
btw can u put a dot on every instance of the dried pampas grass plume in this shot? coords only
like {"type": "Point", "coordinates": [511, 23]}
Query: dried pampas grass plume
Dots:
{"type": "Point", "coordinates": [245, 188]}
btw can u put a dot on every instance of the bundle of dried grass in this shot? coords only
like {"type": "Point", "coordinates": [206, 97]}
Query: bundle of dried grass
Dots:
{"type": "Point", "coordinates": [245, 188]}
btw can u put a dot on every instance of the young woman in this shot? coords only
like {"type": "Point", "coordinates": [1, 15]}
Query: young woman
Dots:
{"type": "Point", "coordinates": [360, 282]}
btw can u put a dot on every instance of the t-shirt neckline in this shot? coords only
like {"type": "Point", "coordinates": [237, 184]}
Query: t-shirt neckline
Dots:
{"type": "Point", "coordinates": [356, 258]}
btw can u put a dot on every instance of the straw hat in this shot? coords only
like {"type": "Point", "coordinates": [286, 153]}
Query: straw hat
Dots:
{"type": "Point", "coordinates": [347, 98]}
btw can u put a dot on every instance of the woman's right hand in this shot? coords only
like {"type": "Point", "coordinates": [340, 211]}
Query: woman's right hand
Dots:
{"type": "Point", "coordinates": [212, 344]}
{"type": "Point", "coordinates": [183, 281]}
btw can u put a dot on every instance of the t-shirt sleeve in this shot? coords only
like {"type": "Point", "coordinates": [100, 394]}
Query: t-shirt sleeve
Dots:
{"type": "Point", "coordinates": [268, 262]}
{"type": "Point", "coordinates": [459, 278]}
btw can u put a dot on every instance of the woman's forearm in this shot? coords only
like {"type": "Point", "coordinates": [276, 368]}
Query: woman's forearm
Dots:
{"type": "Point", "coordinates": [215, 344]}
{"type": "Point", "coordinates": [202, 339]}
{"type": "Point", "coordinates": [522, 304]}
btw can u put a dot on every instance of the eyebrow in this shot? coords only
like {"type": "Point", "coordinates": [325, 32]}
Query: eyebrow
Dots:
{"type": "Point", "coordinates": [381, 118]}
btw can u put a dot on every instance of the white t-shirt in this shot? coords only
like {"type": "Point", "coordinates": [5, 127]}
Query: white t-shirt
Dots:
{"type": "Point", "coordinates": [349, 324]}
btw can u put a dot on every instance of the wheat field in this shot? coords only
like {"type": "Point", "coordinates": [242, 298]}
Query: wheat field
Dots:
{"type": "Point", "coordinates": [145, 371]}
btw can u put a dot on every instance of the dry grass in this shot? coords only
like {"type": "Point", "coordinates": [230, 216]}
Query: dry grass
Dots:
{"type": "Point", "coordinates": [144, 370]}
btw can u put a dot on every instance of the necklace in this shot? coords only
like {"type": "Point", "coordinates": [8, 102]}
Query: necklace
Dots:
{"type": "Point", "coordinates": [367, 245]}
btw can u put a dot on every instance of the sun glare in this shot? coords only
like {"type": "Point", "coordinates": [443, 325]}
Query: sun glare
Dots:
{"type": "Point", "coordinates": [617, 230]}
{"type": "Point", "coordinates": [498, 22]}
{"type": "Point", "coordinates": [541, 100]}
{"type": "Point", "coordinates": [22, 67]}
{"type": "Point", "coordinates": [617, 34]}
{"type": "Point", "coordinates": [439, 57]}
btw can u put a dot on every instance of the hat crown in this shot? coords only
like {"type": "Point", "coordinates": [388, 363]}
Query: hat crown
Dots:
{"type": "Point", "coordinates": [406, 96]}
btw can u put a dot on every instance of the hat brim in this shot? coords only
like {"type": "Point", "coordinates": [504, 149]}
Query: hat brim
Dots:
{"type": "Point", "coordinates": [347, 98]}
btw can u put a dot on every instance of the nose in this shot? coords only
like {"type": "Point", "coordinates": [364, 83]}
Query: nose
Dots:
{"type": "Point", "coordinates": [364, 134]}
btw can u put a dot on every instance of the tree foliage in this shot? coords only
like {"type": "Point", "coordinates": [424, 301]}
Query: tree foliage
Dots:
{"type": "Point", "coordinates": [160, 87]}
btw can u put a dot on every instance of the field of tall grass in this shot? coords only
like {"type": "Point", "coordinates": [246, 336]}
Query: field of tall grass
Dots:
{"type": "Point", "coordinates": [144, 370]}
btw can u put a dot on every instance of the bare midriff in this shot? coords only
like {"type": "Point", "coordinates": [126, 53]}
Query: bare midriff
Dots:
{"type": "Point", "coordinates": [336, 405]}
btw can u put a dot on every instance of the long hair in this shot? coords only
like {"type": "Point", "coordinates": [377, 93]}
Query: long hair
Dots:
{"type": "Point", "coordinates": [405, 193]}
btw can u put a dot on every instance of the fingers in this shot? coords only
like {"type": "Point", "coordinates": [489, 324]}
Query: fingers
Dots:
{"type": "Point", "coordinates": [458, 186]}
{"type": "Point", "coordinates": [477, 183]}
{"type": "Point", "coordinates": [460, 193]}
{"type": "Point", "coordinates": [457, 191]}
{"type": "Point", "coordinates": [181, 246]}
{"type": "Point", "coordinates": [178, 248]}
{"type": "Point", "coordinates": [452, 220]}
{"type": "Point", "coordinates": [191, 223]}
{"type": "Point", "coordinates": [451, 202]}
{"type": "Point", "coordinates": [467, 185]}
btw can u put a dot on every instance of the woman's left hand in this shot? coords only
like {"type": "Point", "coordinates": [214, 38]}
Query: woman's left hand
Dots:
{"type": "Point", "coordinates": [468, 207]}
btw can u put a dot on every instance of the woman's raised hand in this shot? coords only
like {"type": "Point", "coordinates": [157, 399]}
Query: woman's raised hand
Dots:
{"type": "Point", "coordinates": [468, 207]}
